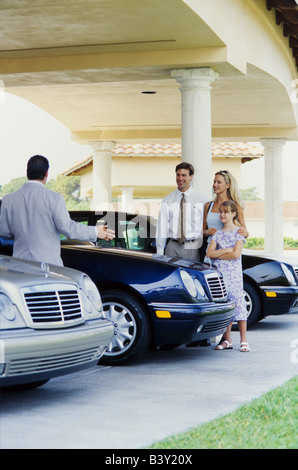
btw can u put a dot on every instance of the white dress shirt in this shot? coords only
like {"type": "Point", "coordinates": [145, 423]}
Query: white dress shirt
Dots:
{"type": "Point", "coordinates": [169, 214]}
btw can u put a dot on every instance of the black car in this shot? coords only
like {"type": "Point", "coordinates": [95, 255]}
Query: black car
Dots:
{"type": "Point", "coordinates": [270, 283]}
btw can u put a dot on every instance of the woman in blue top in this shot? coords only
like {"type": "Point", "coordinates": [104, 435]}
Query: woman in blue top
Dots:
{"type": "Point", "coordinates": [225, 189]}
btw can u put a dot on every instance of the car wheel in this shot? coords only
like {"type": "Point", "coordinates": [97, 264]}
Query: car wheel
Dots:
{"type": "Point", "coordinates": [253, 304]}
{"type": "Point", "coordinates": [131, 328]}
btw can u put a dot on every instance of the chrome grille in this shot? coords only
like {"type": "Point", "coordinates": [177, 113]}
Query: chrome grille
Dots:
{"type": "Point", "coordinates": [296, 272]}
{"type": "Point", "coordinates": [53, 304]}
{"type": "Point", "coordinates": [54, 362]}
{"type": "Point", "coordinates": [217, 287]}
{"type": "Point", "coordinates": [217, 325]}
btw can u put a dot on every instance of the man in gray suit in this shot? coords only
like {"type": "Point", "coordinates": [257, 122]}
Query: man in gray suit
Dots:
{"type": "Point", "coordinates": [36, 216]}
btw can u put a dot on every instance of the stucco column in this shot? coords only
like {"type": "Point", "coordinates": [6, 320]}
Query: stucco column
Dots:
{"type": "Point", "coordinates": [273, 149]}
{"type": "Point", "coordinates": [196, 123]}
{"type": "Point", "coordinates": [126, 198]}
{"type": "Point", "coordinates": [102, 183]}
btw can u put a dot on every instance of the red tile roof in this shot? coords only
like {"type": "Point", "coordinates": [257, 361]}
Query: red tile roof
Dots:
{"type": "Point", "coordinates": [286, 15]}
{"type": "Point", "coordinates": [157, 150]}
{"type": "Point", "coordinates": [231, 149]}
{"type": "Point", "coordinates": [225, 149]}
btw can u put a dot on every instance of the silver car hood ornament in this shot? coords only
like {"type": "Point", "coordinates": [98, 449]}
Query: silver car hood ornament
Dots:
{"type": "Point", "coordinates": [45, 268]}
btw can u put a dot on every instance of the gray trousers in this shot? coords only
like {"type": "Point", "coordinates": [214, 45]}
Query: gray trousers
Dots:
{"type": "Point", "coordinates": [187, 250]}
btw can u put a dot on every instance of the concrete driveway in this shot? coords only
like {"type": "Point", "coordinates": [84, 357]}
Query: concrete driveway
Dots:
{"type": "Point", "coordinates": [168, 392]}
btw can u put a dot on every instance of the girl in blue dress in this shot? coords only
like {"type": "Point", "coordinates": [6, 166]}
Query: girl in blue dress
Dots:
{"type": "Point", "coordinates": [225, 251]}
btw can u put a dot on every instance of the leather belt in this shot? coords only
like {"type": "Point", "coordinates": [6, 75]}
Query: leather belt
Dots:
{"type": "Point", "coordinates": [185, 241]}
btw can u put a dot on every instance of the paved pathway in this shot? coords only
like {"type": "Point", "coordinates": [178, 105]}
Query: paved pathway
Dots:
{"type": "Point", "coordinates": [168, 392]}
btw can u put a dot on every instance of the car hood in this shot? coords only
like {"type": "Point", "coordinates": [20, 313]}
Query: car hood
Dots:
{"type": "Point", "coordinates": [141, 255]}
{"type": "Point", "coordinates": [270, 256]}
{"type": "Point", "coordinates": [16, 270]}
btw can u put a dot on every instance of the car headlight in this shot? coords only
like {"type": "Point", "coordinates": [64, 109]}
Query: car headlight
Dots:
{"type": "Point", "coordinates": [10, 316]}
{"type": "Point", "coordinates": [92, 293]}
{"type": "Point", "coordinates": [200, 288]}
{"type": "Point", "coordinates": [188, 282]}
{"type": "Point", "coordinates": [289, 275]}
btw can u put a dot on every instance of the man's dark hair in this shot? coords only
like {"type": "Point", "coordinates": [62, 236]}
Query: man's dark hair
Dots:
{"type": "Point", "coordinates": [185, 166]}
{"type": "Point", "coordinates": [37, 167]}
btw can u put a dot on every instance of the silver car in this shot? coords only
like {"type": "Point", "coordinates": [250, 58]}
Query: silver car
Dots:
{"type": "Point", "coordinates": [51, 322]}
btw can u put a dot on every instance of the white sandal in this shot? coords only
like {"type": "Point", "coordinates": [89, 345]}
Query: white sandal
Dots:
{"type": "Point", "coordinates": [229, 345]}
{"type": "Point", "coordinates": [244, 347]}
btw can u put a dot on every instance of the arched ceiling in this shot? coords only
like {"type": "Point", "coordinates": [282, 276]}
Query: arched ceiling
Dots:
{"type": "Point", "coordinates": [88, 62]}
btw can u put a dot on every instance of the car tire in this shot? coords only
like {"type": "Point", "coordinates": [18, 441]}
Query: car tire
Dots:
{"type": "Point", "coordinates": [253, 304]}
{"type": "Point", "coordinates": [131, 328]}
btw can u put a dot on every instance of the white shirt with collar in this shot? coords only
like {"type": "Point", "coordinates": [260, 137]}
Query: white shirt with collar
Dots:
{"type": "Point", "coordinates": [169, 214]}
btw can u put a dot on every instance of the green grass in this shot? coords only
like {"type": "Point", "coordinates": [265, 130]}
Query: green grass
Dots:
{"type": "Point", "coordinates": [269, 422]}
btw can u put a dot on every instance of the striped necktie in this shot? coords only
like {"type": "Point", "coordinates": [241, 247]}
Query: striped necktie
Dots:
{"type": "Point", "coordinates": [181, 221]}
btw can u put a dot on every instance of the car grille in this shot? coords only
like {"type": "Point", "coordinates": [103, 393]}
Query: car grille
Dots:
{"type": "Point", "coordinates": [217, 325]}
{"type": "Point", "coordinates": [53, 304]}
{"type": "Point", "coordinates": [50, 363]}
{"type": "Point", "coordinates": [296, 272]}
{"type": "Point", "coordinates": [217, 287]}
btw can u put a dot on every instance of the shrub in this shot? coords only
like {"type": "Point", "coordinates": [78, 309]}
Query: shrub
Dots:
{"type": "Point", "coordinates": [290, 243]}
{"type": "Point", "coordinates": [255, 243]}
{"type": "Point", "coordinates": [258, 243]}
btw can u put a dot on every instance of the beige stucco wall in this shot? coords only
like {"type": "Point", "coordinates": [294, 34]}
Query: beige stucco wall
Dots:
{"type": "Point", "coordinates": [151, 177]}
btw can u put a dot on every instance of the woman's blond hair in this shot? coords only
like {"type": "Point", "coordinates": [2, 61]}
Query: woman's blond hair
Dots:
{"type": "Point", "coordinates": [233, 191]}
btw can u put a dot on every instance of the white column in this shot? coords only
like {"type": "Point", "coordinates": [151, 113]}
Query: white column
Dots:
{"type": "Point", "coordinates": [273, 149]}
{"type": "Point", "coordinates": [127, 198]}
{"type": "Point", "coordinates": [102, 178]}
{"type": "Point", "coordinates": [196, 123]}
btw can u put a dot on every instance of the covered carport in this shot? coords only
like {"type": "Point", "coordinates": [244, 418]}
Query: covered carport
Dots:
{"type": "Point", "coordinates": [187, 71]}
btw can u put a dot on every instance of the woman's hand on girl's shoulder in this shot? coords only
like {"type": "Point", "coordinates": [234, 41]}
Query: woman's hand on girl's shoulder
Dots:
{"type": "Point", "coordinates": [211, 231]}
{"type": "Point", "coordinates": [242, 231]}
